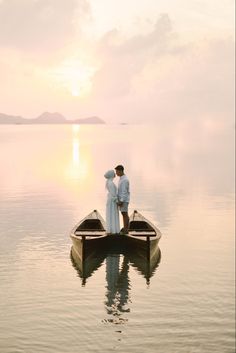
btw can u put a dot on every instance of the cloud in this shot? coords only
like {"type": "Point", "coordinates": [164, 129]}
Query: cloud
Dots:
{"type": "Point", "coordinates": [197, 83]}
{"type": "Point", "coordinates": [39, 24]}
{"type": "Point", "coordinates": [143, 77]}
{"type": "Point", "coordinates": [156, 77]}
{"type": "Point", "coordinates": [123, 59]}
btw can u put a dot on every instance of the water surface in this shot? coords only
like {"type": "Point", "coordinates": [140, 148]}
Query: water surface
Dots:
{"type": "Point", "coordinates": [182, 179]}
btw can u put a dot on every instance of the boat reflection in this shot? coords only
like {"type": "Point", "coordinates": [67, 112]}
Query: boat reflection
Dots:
{"type": "Point", "coordinates": [144, 266]}
{"type": "Point", "coordinates": [118, 283]}
{"type": "Point", "coordinates": [85, 267]}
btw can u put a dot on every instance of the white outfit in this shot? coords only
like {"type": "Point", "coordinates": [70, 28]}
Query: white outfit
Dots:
{"type": "Point", "coordinates": [112, 212]}
{"type": "Point", "coordinates": [123, 189]}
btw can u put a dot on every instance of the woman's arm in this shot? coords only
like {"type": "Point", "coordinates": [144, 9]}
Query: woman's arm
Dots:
{"type": "Point", "coordinates": [112, 190]}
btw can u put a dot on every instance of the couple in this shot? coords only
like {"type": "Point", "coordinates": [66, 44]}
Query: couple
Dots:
{"type": "Point", "coordinates": [117, 199]}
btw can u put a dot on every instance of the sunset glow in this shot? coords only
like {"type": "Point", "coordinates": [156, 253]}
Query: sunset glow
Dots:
{"type": "Point", "coordinates": [117, 183]}
{"type": "Point", "coordinates": [75, 77]}
{"type": "Point", "coordinates": [124, 61]}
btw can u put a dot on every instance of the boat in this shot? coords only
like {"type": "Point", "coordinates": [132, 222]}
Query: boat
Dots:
{"type": "Point", "coordinates": [143, 236]}
{"type": "Point", "coordinates": [91, 245]}
{"type": "Point", "coordinates": [88, 236]}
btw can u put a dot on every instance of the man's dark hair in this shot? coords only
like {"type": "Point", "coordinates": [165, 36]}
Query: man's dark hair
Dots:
{"type": "Point", "coordinates": [119, 167]}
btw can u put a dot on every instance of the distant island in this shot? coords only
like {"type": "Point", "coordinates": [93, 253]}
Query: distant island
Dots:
{"type": "Point", "coordinates": [48, 118]}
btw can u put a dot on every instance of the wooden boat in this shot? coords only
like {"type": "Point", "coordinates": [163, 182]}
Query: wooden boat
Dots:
{"type": "Point", "coordinates": [143, 236]}
{"type": "Point", "coordinates": [89, 236]}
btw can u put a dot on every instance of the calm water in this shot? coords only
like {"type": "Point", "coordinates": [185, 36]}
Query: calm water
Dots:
{"type": "Point", "coordinates": [182, 179]}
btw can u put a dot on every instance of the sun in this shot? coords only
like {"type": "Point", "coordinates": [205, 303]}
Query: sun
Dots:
{"type": "Point", "coordinates": [75, 76]}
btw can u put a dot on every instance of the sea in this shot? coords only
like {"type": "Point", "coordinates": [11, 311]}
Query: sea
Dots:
{"type": "Point", "coordinates": [182, 180]}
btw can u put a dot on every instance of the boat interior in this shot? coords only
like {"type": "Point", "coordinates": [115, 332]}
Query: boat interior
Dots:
{"type": "Point", "coordinates": [140, 226]}
{"type": "Point", "coordinates": [91, 225]}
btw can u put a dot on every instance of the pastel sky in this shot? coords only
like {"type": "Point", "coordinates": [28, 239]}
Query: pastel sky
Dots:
{"type": "Point", "coordinates": [124, 61]}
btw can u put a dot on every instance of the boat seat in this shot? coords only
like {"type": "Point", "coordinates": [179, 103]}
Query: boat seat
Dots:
{"type": "Point", "coordinates": [90, 233]}
{"type": "Point", "coordinates": [138, 233]}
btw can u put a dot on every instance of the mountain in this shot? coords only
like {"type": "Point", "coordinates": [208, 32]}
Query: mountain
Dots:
{"type": "Point", "coordinates": [11, 119]}
{"type": "Point", "coordinates": [48, 118]}
{"type": "Point", "coordinates": [90, 120]}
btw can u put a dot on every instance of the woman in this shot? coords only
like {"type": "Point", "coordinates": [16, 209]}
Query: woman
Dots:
{"type": "Point", "coordinates": [112, 212]}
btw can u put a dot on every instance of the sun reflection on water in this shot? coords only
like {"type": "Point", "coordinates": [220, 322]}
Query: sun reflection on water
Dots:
{"type": "Point", "coordinates": [76, 154]}
{"type": "Point", "coordinates": [79, 164]}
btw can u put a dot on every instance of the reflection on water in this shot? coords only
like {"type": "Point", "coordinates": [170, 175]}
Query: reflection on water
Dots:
{"type": "Point", "coordinates": [182, 180]}
{"type": "Point", "coordinates": [76, 155]}
{"type": "Point", "coordinates": [86, 267]}
{"type": "Point", "coordinates": [78, 169]}
{"type": "Point", "coordinates": [118, 283]}
{"type": "Point", "coordinates": [118, 287]}
{"type": "Point", "coordinates": [145, 267]}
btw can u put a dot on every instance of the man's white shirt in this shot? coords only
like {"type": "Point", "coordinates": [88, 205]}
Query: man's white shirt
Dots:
{"type": "Point", "coordinates": [123, 189]}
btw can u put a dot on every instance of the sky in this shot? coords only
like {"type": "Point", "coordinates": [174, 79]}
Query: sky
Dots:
{"type": "Point", "coordinates": [125, 61]}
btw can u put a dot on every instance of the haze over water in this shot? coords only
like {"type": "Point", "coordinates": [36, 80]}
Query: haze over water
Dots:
{"type": "Point", "coordinates": [182, 179]}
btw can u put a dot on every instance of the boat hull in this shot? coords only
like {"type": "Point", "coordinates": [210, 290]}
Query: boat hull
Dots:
{"type": "Point", "coordinates": [84, 247]}
{"type": "Point", "coordinates": [143, 247]}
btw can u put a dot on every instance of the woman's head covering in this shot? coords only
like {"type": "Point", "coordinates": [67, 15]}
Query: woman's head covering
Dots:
{"type": "Point", "coordinates": [110, 174]}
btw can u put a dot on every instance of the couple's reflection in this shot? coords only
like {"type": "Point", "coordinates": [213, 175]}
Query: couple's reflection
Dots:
{"type": "Point", "coordinates": [118, 286]}
{"type": "Point", "coordinates": [118, 282]}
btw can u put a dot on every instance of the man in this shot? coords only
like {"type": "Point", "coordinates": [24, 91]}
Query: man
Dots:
{"type": "Point", "coordinates": [123, 197]}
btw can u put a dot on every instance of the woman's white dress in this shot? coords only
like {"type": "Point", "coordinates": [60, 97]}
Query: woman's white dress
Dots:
{"type": "Point", "coordinates": [112, 212]}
